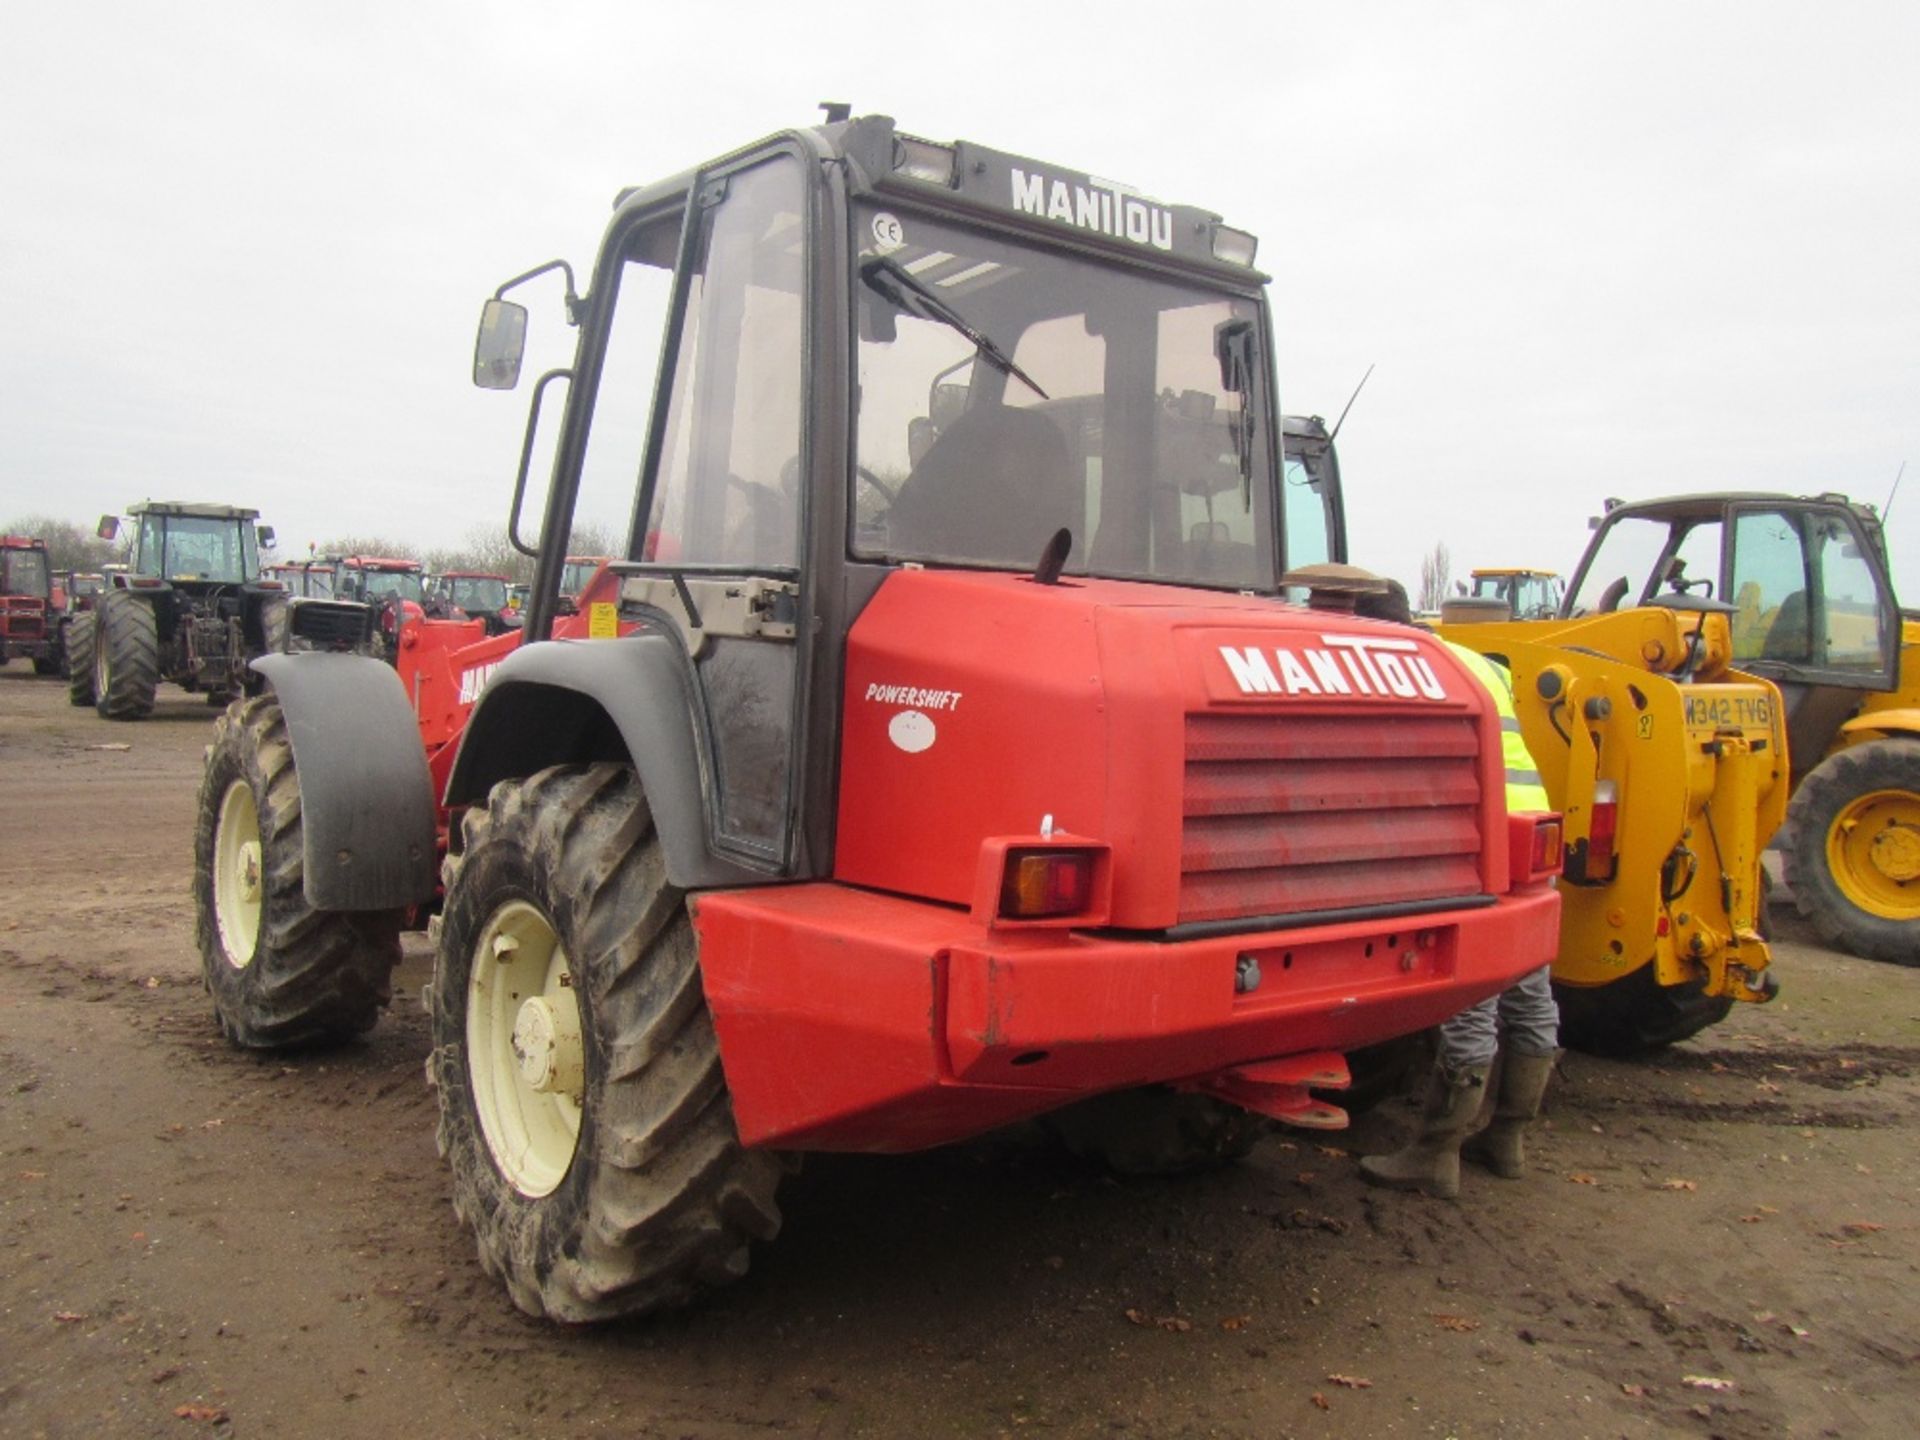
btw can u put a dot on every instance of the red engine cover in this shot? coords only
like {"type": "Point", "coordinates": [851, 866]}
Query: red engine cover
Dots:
{"type": "Point", "coordinates": [1240, 756]}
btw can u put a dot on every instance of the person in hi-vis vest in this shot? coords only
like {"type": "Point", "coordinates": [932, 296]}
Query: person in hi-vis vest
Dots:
{"type": "Point", "coordinates": [1524, 1013]}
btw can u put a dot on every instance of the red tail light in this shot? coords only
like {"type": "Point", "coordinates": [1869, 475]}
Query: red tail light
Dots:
{"type": "Point", "coordinates": [1534, 846]}
{"type": "Point", "coordinates": [1606, 816]}
{"type": "Point", "coordinates": [1546, 846]}
{"type": "Point", "coordinates": [1040, 884]}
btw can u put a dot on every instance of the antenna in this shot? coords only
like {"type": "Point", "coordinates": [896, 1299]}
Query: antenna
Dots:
{"type": "Point", "coordinates": [1349, 405]}
{"type": "Point", "coordinates": [1893, 492]}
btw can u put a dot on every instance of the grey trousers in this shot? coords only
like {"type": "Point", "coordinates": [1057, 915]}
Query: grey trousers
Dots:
{"type": "Point", "coordinates": [1525, 1012]}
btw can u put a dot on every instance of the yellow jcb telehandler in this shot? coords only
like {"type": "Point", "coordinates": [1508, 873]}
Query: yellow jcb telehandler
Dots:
{"type": "Point", "coordinates": [1805, 588]}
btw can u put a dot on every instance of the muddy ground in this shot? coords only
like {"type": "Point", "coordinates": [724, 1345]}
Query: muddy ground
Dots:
{"type": "Point", "coordinates": [197, 1240]}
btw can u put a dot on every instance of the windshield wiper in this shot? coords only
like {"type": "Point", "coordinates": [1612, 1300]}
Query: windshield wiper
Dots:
{"type": "Point", "coordinates": [888, 280]}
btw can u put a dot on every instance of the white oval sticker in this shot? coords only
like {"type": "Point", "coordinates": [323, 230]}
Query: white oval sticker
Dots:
{"type": "Point", "coordinates": [911, 731]}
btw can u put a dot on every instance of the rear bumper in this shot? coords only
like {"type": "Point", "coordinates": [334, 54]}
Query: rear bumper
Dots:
{"type": "Point", "coordinates": [850, 1020]}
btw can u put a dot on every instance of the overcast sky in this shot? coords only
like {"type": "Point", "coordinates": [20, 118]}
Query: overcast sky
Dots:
{"type": "Point", "coordinates": [1594, 250]}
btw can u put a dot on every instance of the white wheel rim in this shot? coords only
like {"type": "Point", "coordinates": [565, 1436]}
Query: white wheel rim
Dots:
{"type": "Point", "coordinates": [239, 885]}
{"type": "Point", "coordinates": [523, 1048]}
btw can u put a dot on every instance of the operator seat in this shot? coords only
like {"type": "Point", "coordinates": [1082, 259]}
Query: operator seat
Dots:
{"type": "Point", "coordinates": [992, 489]}
{"type": "Point", "coordinates": [1790, 637]}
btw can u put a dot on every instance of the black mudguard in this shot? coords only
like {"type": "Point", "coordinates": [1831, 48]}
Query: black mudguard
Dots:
{"type": "Point", "coordinates": [566, 701]}
{"type": "Point", "coordinates": [366, 799]}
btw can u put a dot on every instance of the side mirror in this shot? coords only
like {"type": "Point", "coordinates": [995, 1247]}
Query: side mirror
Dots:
{"type": "Point", "coordinates": [108, 527]}
{"type": "Point", "coordinates": [500, 345]}
{"type": "Point", "coordinates": [947, 403]}
{"type": "Point", "coordinates": [265, 534]}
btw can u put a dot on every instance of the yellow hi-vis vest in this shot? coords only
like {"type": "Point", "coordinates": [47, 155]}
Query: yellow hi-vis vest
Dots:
{"type": "Point", "coordinates": [1524, 790]}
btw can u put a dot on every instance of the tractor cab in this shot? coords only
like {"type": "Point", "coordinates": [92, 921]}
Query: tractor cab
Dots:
{"type": "Point", "coordinates": [200, 548]}
{"type": "Point", "coordinates": [376, 579]}
{"type": "Point", "coordinates": [26, 601]}
{"type": "Point", "coordinates": [23, 568]}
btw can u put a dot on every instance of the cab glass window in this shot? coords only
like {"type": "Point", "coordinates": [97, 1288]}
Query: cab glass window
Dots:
{"type": "Point", "coordinates": [1850, 635]}
{"type": "Point", "coordinates": [1771, 619]}
{"type": "Point", "coordinates": [729, 485]}
{"type": "Point", "coordinates": [1094, 405]}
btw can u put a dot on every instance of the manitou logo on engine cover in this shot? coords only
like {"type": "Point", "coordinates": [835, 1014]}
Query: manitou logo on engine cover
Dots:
{"type": "Point", "coordinates": [473, 681]}
{"type": "Point", "coordinates": [1342, 665]}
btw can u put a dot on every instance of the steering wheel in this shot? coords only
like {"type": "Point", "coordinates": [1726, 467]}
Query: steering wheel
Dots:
{"type": "Point", "coordinates": [1611, 597]}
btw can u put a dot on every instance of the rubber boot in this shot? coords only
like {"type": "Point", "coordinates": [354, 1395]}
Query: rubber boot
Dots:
{"type": "Point", "coordinates": [1501, 1147]}
{"type": "Point", "coordinates": [1431, 1162]}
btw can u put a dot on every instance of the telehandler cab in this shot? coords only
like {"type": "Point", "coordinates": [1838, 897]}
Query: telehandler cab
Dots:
{"type": "Point", "coordinates": [948, 760]}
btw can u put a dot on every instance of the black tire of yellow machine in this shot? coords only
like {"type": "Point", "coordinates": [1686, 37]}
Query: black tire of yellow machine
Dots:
{"type": "Point", "coordinates": [1837, 793]}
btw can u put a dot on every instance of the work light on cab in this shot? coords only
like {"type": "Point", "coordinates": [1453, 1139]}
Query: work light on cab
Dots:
{"type": "Point", "coordinates": [923, 160]}
{"type": "Point", "coordinates": [1235, 247]}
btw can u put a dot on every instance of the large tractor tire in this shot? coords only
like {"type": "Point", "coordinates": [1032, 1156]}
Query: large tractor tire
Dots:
{"type": "Point", "coordinates": [1156, 1131]}
{"type": "Point", "coordinates": [126, 657]}
{"type": "Point", "coordinates": [1635, 1015]}
{"type": "Point", "coordinates": [1852, 857]}
{"type": "Point", "coordinates": [582, 1106]}
{"type": "Point", "coordinates": [281, 972]}
{"type": "Point", "coordinates": [46, 665]}
{"type": "Point", "coordinates": [80, 659]}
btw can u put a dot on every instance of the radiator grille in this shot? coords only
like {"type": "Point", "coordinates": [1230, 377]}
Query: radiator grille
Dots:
{"type": "Point", "coordinates": [1290, 813]}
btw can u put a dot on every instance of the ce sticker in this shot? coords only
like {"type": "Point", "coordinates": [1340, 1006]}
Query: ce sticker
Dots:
{"type": "Point", "coordinates": [888, 234]}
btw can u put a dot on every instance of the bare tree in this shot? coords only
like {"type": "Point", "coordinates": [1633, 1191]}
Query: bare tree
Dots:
{"type": "Point", "coordinates": [1436, 573]}
{"type": "Point", "coordinates": [70, 546]}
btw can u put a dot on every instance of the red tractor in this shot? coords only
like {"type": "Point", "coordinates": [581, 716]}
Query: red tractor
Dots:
{"type": "Point", "coordinates": [27, 618]}
{"type": "Point", "coordinates": [395, 589]}
{"type": "Point", "coordinates": [941, 755]}
{"type": "Point", "coordinates": [473, 595]}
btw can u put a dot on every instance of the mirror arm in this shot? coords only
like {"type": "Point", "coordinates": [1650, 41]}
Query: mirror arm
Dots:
{"type": "Point", "coordinates": [526, 459]}
{"type": "Point", "coordinates": [575, 304]}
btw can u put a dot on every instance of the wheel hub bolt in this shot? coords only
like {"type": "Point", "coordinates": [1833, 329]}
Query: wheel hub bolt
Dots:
{"type": "Point", "coordinates": [546, 1042]}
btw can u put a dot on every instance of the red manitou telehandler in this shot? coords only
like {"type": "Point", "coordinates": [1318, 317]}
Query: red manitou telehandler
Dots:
{"type": "Point", "coordinates": [943, 753]}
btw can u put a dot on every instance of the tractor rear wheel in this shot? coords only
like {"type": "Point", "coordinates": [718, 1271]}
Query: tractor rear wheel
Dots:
{"type": "Point", "coordinates": [46, 665]}
{"type": "Point", "coordinates": [582, 1106]}
{"type": "Point", "coordinates": [281, 972]}
{"type": "Point", "coordinates": [80, 635]}
{"type": "Point", "coordinates": [126, 657]}
{"type": "Point", "coordinates": [1853, 853]}
{"type": "Point", "coordinates": [1156, 1131]}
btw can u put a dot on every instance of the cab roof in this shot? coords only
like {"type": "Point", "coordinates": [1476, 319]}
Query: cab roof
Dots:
{"type": "Point", "coordinates": [197, 509]}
